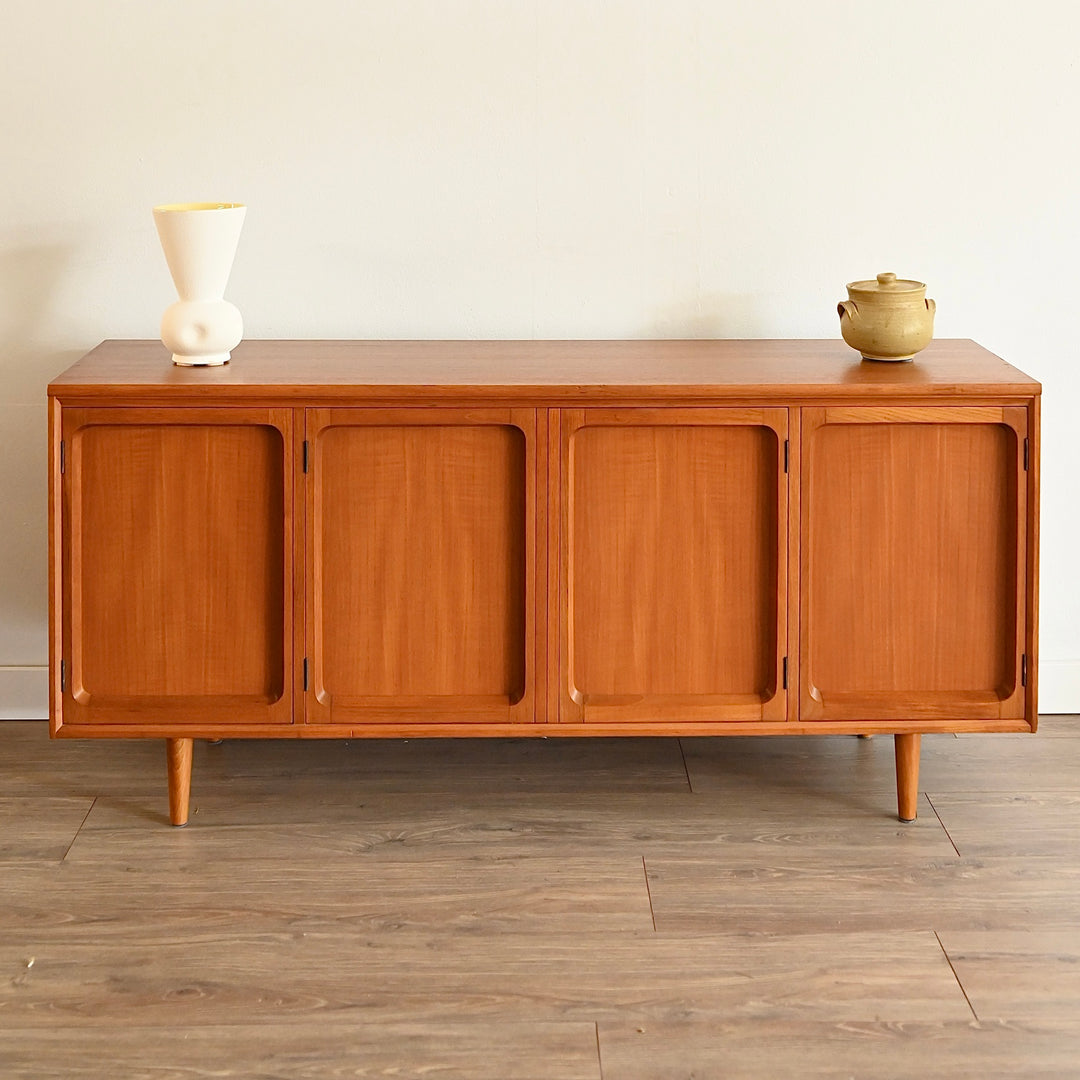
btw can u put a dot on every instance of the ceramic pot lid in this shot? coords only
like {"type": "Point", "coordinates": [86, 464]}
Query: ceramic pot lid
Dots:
{"type": "Point", "coordinates": [886, 285]}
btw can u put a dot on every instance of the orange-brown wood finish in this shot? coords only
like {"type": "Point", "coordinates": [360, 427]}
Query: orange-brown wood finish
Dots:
{"type": "Point", "coordinates": [422, 556]}
{"type": "Point", "coordinates": [178, 551]}
{"type": "Point", "coordinates": [178, 754]}
{"type": "Point", "coordinates": [357, 539]}
{"type": "Point", "coordinates": [544, 373]}
{"type": "Point", "coordinates": [674, 548]}
{"type": "Point", "coordinates": [1031, 639]}
{"type": "Point", "coordinates": [907, 776]}
{"type": "Point", "coordinates": [913, 537]}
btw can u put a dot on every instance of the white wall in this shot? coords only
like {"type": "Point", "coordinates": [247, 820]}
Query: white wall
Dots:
{"type": "Point", "coordinates": [538, 168]}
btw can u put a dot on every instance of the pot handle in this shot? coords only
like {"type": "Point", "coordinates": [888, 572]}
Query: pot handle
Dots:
{"type": "Point", "coordinates": [847, 307]}
{"type": "Point", "coordinates": [931, 306]}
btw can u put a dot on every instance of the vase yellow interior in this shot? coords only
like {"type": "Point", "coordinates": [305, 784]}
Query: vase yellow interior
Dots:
{"type": "Point", "coordinates": [184, 206]}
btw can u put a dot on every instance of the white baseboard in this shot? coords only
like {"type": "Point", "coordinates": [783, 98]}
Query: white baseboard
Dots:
{"type": "Point", "coordinates": [1059, 686]}
{"type": "Point", "coordinates": [24, 693]}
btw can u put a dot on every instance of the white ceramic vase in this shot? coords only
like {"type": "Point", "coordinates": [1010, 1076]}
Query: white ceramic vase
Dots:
{"type": "Point", "coordinates": [199, 241]}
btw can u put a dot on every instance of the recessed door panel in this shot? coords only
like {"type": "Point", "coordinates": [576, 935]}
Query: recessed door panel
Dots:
{"type": "Point", "coordinates": [178, 563]}
{"type": "Point", "coordinates": [913, 538]}
{"type": "Point", "coordinates": [422, 556]}
{"type": "Point", "coordinates": [675, 544]}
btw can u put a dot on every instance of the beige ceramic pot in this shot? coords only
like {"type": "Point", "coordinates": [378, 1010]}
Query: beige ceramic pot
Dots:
{"type": "Point", "coordinates": [887, 319]}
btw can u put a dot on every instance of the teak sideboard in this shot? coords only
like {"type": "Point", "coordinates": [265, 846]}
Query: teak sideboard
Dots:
{"type": "Point", "coordinates": [365, 539]}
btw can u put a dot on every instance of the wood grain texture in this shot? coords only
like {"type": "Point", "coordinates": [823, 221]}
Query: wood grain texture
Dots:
{"type": "Point", "coordinates": [178, 564]}
{"type": "Point", "coordinates": [422, 554]}
{"type": "Point", "coordinates": [907, 775]}
{"type": "Point", "coordinates": [58, 570]}
{"type": "Point", "coordinates": [762, 1050]}
{"type": "Point", "coordinates": [1051, 726]}
{"type": "Point", "coordinates": [980, 376]}
{"type": "Point", "coordinates": [34, 766]}
{"type": "Point", "coordinates": [38, 830]}
{"type": "Point", "coordinates": [178, 754]}
{"type": "Point", "coordinates": [391, 907]}
{"type": "Point", "coordinates": [913, 536]}
{"type": "Point", "coordinates": [238, 977]}
{"type": "Point", "coordinates": [1017, 823]}
{"type": "Point", "coordinates": [369, 885]}
{"type": "Point", "coordinates": [319, 1051]}
{"type": "Point", "coordinates": [793, 555]}
{"type": "Point", "coordinates": [790, 888]}
{"type": "Point", "coordinates": [546, 519]}
{"type": "Point", "coordinates": [539, 372]}
{"type": "Point", "coordinates": [600, 536]}
{"type": "Point", "coordinates": [392, 720]}
{"type": "Point", "coordinates": [1031, 569]}
{"type": "Point", "coordinates": [1018, 974]}
{"type": "Point", "coordinates": [675, 576]}
{"type": "Point", "coordinates": [246, 822]}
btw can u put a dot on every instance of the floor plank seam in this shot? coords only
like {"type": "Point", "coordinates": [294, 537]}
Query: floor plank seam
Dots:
{"type": "Point", "coordinates": [948, 960]}
{"type": "Point", "coordinates": [942, 824]}
{"type": "Point", "coordinates": [686, 768]}
{"type": "Point", "coordinates": [648, 892]}
{"type": "Point", "coordinates": [90, 810]}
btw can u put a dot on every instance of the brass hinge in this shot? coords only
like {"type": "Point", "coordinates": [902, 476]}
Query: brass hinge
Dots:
{"type": "Point", "coordinates": [1027, 454]}
{"type": "Point", "coordinates": [785, 672]}
{"type": "Point", "coordinates": [305, 673]}
{"type": "Point", "coordinates": [785, 455]}
{"type": "Point", "coordinates": [305, 455]}
{"type": "Point", "coordinates": [63, 463]}
{"type": "Point", "coordinates": [63, 676]}
{"type": "Point", "coordinates": [1023, 670]}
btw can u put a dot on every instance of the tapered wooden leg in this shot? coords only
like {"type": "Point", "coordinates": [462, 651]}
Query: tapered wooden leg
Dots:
{"type": "Point", "coordinates": [179, 755]}
{"type": "Point", "coordinates": [907, 775]}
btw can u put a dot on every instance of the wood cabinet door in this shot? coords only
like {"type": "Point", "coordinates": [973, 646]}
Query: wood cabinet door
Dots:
{"type": "Point", "coordinates": [421, 559]}
{"type": "Point", "coordinates": [913, 540]}
{"type": "Point", "coordinates": [176, 566]}
{"type": "Point", "coordinates": [673, 566]}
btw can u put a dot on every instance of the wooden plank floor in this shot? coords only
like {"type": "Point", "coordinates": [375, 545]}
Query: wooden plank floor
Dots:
{"type": "Point", "coordinates": [603, 909]}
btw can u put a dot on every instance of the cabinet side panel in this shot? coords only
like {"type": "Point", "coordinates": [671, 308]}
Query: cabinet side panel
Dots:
{"type": "Point", "coordinates": [177, 583]}
{"type": "Point", "coordinates": [59, 584]}
{"type": "Point", "coordinates": [673, 549]}
{"type": "Point", "coordinates": [1031, 635]}
{"type": "Point", "coordinates": [421, 548]}
{"type": "Point", "coordinates": [913, 542]}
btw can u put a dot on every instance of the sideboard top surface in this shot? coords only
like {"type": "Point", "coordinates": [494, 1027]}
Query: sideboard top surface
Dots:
{"type": "Point", "coordinates": [525, 371]}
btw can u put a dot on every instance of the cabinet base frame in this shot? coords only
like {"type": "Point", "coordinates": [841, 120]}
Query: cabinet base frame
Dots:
{"type": "Point", "coordinates": [440, 730]}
